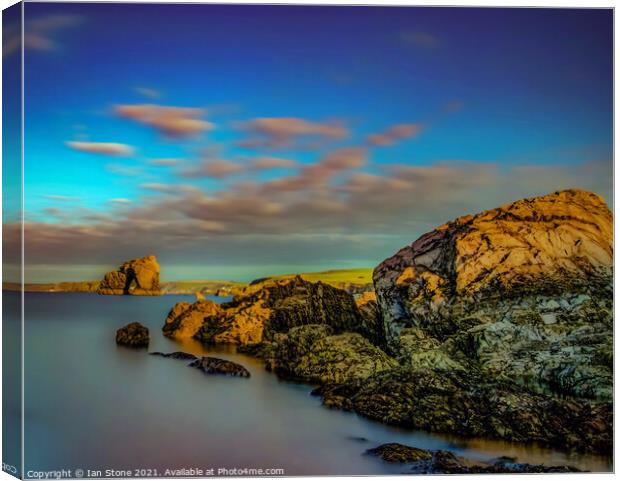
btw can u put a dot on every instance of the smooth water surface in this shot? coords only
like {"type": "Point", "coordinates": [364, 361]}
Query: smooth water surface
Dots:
{"type": "Point", "coordinates": [93, 405]}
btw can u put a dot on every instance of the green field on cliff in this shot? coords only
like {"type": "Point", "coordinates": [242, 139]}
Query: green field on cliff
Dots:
{"type": "Point", "coordinates": [337, 276]}
{"type": "Point", "coordinates": [341, 278]}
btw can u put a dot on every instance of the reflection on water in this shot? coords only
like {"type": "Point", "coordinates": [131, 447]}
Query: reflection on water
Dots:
{"type": "Point", "coordinates": [93, 405]}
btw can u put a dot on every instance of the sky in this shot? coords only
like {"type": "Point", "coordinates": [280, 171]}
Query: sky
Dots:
{"type": "Point", "coordinates": [236, 142]}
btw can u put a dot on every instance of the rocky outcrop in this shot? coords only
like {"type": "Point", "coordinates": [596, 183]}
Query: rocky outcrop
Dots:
{"type": "Point", "coordinates": [214, 365]}
{"type": "Point", "coordinates": [133, 335]}
{"type": "Point", "coordinates": [423, 461]}
{"type": "Point", "coordinates": [138, 277]}
{"type": "Point", "coordinates": [313, 354]}
{"type": "Point", "coordinates": [274, 306]}
{"type": "Point", "coordinates": [185, 320]}
{"type": "Point", "coordinates": [472, 405]}
{"type": "Point", "coordinates": [371, 317]}
{"type": "Point", "coordinates": [501, 324]}
{"type": "Point", "coordinates": [522, 293]}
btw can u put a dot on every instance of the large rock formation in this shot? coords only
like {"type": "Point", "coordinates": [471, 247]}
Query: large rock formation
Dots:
{"type": "Point", "coordinates": [522, 292]}
{"type": "Point", "coordinates": [502, 325]}
{"type": "Point", "coordinates": [274, 306]}
{"type": "Point", "coordinates": [138, 277]}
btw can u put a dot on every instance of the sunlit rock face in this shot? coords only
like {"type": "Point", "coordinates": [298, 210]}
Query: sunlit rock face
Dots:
{"type": "Point", "coordinates": [138, 277]}
{"type": "Point", "coordinates": [275, 305]}
{"type": "Point", "coordinates": [522, 292]}
{"type": "Point", "coordinates": [185, 319]}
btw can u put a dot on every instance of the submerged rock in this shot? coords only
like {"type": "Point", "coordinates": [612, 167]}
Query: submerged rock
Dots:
{"type": "Point", "coordinates": [425, 461]}
{"type": "Point", "coordinates": [138, 277]}
{"type": "Point", "coordinates": [133, 335]}
{"type": "Point", "coordinates": [175, 355]}
{"type": "Point", "coordinates": [313, 354]}
{"type": "Point", "coordinates": [214, 365]}
{"type": "Point", "coordinates": [184, 320]}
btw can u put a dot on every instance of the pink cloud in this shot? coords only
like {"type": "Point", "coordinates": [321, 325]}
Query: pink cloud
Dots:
{"type": "Point", "coordinates": [214, 168]}
{"type": "Point", "coordinates": [277, 132]}
{"type": "Point", "coordinates": [394, 134]}
{"type": "Point", "coordinates": [174, 122]}
{"type": "Point", "coordinates": [267, 163]}
{"type": "Point", "coordinates": [38, 33]}
{"type": "Point", "coordinates": [104, 148]}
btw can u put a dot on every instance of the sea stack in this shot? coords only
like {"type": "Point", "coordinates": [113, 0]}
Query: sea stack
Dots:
{"type": "Point", "coordinates": [137, 277]}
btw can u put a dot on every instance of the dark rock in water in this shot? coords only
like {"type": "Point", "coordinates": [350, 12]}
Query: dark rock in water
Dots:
{"type": "Point", "coordinates": [175, 355]}
{"type": "Point", "coordinates": [424, 461]}
{"type": "Point", "coordinates": [133, 335]}
{"type": "Point", "coordinates": [471, 405]}
{"type": "Point", "coordinates": [400, 453]}
{"type": "Point", "coordinates": [137, 277]}
{"type": "Point", "coordinates": [214, 365]}
{"type": "Point", "coordinates": [359, 439]}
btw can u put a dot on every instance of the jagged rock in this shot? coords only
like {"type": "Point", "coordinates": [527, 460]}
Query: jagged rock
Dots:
{"type": "Point", "coordinates": [472, 405]}
{"type": "Point", "coordinates": [312, 353]}
{"type": "Point", "coordinates": [522, 293]}
{"type": "Point", "coordinates": [425, 461]}
{"type": "Point", "coordinates": [138, 277]}
{"type": "Point", "coordinates": [133, 335]}
{"type": "Point", "coordinates": [184, 320]}
{"type": "Point", "coordinates": [371, 317]}
{"type": "Point", "coordinates": [214, 365]}
{"type": "Point", "coordinates": [273, 306]}
{"type": "Point", "coordinates": [184, 356]}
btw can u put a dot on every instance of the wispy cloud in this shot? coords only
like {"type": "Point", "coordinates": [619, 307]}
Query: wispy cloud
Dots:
{"type": "Point", "coordinates": [420, 39]}
{"type": "Point", "coordinates": [62, 198]}
{"type": "Point", "coordinates": [38, 33]}
{"type": "Point", "coordinates": [104, 148]}
{"type": "Point", "coordinates": [453, 106]}
{"type": "Point", "coordinates": [147, 92]}
{"type": "Point", "coordinates": [173, 122]}
{"type": "Point", "coordinates": [120, 201]}
{"type": "Point", "coordinates": [275, 132]}
{"type": "Point", "coordinates": [165, 162]}
{"type": "Point", "coordinates": [214, 168]}
{"type": "Point", "coordinates": [361, 215]}
{"type": "Point", "coordinates": [158, 187]}
{"type": "Point", "coordinates": [124, 170]}
{"type": "Point", "coordinates": [268, 163]}
{"type": "Point", "coordinates": [394, 134]}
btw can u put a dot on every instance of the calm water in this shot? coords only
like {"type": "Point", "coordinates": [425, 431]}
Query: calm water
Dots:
{"type": "Point", "coordinates": [93, 405]}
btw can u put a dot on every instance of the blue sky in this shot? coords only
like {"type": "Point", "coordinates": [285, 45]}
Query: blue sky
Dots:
{"type": "Point", "coordinates": [385, 122]}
